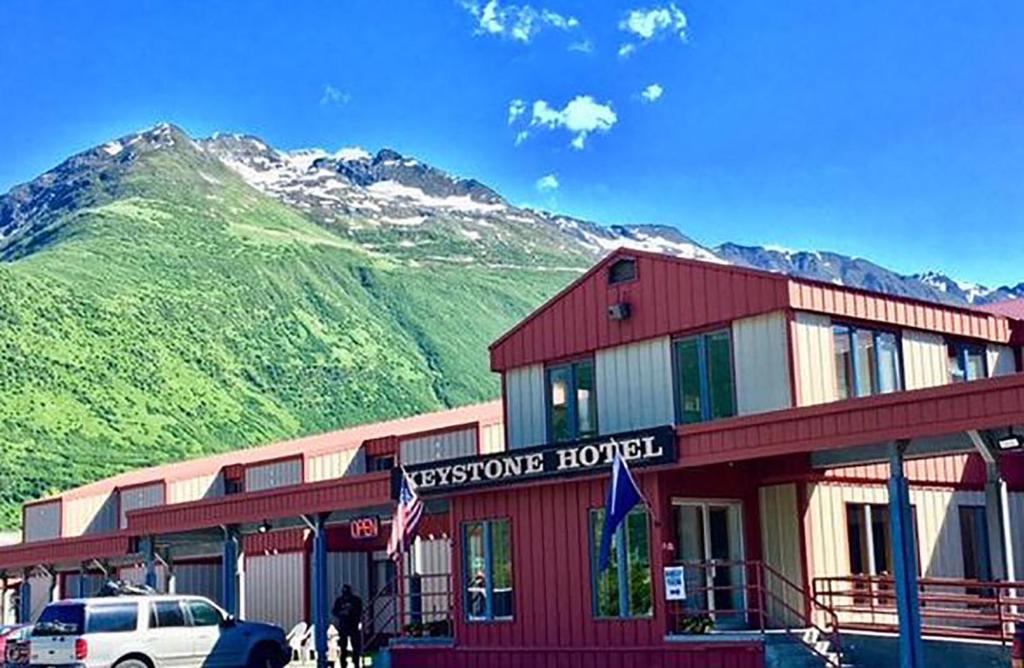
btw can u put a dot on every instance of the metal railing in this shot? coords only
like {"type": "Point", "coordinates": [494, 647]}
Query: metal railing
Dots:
{"type": "Point", "coordinates": [971, 609]}
{"type": "Point", "coordinates": [751, 595]}
{"type": "Point", "coordinates": [410, 606]}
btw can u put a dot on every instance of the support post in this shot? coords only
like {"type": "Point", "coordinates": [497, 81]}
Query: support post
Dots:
{"type": "Point", "coordinates": [229, 569]}
{"type": "Point", "coordinates": [148, 550]}
{"type": "Point", "coordinates": [25, 598]}
{"type": "Point", "coordinates": [321, 616]}
{"type": "Point", "coordinates": [904, 548]}
{"type": "Point", "coordinates": [3, 599]}
{"type": "Point", "coordinates": [80, 591]}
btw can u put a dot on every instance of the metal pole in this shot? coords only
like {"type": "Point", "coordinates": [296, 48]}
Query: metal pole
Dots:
{"type": "Point", "coordinates": [905, 562]}
{"type": "Point", "coordinates": [82, 573]}
{"type": "Point", "coordinates": [320, 604]}
{"type": "Point", "coordinates": [25, 598]}
{"type": "Point", "coordinates": [229, 569]}
{"type": "Point", "coordinates": [149, 557]}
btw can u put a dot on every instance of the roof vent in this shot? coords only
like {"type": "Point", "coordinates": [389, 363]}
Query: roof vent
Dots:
{"type": "Point", "coordinates": [622, 271]}
{"type": "Point", "coordinates": [619, 311]}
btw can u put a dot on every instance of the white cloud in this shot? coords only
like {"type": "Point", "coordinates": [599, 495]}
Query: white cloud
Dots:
{"type": "Point", "coordinates": [518, 22]}
{"type": "Point", "coordinates": [516, 108]}
{"type": "Point", "coordinates": [334, 97]}
{"type": "Point", "coordinates": [522, 136]}
{"type": "Point", "coordinates": [547, 183]}
{"type": "Point", "coordinates": [652, 93]}
{"type": "Point", "coordinates": [626, 50]}
{"type": "Point", "coordinates": [652, 23]}
{"type": "Point", "coordinates": [581, 116]}
{"type": "Point", "coordinates": [582, 46]}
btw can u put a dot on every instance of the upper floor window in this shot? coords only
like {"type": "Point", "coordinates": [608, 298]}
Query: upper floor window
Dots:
{"type": "Point", "coordinates": [704, 378]}
{"type": "Point", "coordinates": [572, 401]}
{"type": "Point", "coordinates": [966, 361]}
{"type": "Point", "coordinates": [622, 271]}
{"type": "Point", "coordinates": [380, 463]}
{"type": "Point", "coordinates": [867, 362]}
{"type": "Point", "coordinates": [487, 550]}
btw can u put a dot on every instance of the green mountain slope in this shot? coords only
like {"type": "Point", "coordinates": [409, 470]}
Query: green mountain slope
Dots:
{"type": "Point", "coordinates": [166, 309]}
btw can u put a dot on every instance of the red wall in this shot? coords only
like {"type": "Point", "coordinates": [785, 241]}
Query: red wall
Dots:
{"type": "Point", "coordinates": [682, 655]}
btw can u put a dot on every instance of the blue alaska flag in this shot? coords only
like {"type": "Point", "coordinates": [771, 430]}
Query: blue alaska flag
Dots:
{"type": "Point", "coordinates": [623, 495]}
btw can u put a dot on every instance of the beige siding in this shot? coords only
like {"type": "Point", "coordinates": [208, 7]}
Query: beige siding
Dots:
{"type": "Point", "coordinates": [445, 445]}
{"type": "Point", "coordinates": [334, 465]}
{"type": "Point", "coordinates": [1001, 361]}
{"type": "Point", "coordinates": [90, 515]}
{"type": "Point", "coordinates": [194, 489]}
{"type": "Point", "coordinates": [40, 593]}
{"type": "Point", "coordinates": [815, 359]}
{"type": "Point", "coordinates": [925, 360]}
{"type": "Point", "coordinates": [935, 510]}
{"type": "Point", "coordinates": [275, 474]}
{"type": "Point", "coordinates": [273, 588]}
{"type": "Point", "coordinates": [524, 401]}
{"type": "Point", "coordinates": [433, 560]}
{"type": "Point", "coordinates": [348, 568]}
{"type": "Point", "coordinates": [780, 540]}
{"type": "Point", "coordinates": [634, 386]}
{"type": "Point", "coordinates": [137, 498]}
{"type": "Point", "coordinates": [42, 521]}
{"type": "Point", "coordinates": [93, 583]}
{"type": "Point", "coordinates": [200, 580]}
{"type": "Point", "coordinates": [761, 353]}
{"type": "Point", "coordinates": [492, 438]}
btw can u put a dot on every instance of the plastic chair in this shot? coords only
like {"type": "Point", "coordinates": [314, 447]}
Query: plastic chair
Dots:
{"type": "Point", "coordinates": [296, 640]}
{"type": "Point", "coordinates": [333, 646]}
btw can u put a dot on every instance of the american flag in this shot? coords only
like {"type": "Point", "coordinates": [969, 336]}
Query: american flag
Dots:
{"type": "Point", "coordinates": [407, 518]}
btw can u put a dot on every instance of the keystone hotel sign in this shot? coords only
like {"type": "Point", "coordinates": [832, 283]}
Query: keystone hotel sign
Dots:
{"type": "Point", "coordinates": [648, 447]}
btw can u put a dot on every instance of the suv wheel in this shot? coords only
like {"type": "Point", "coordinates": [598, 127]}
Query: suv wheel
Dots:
{"type": "Point", "coordinates": [132, 663]}
{"type": "Point", "coordinates": [263, 657]}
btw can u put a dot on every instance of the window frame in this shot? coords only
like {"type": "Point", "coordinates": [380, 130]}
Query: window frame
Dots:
{"type": "Point", "coordinates": [963, 350]}
{"type": "Point", "coordinates": [634, 277]}
{"type": "Point", "coordinates": [488, 544]}
{"type": "Point", "coordinates": [572, 403]}
{"type": "Point", "coordinates": [705, 375]}
{"type": "Point", "coordinates": [876, 378]}
{"type": "Point", "coordinates": [867, 510]}
{"type": "Point", "coordinates": [624, 586]}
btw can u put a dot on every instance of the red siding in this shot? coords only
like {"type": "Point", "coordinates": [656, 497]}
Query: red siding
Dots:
{"type": "Point", "coordinates": [65, 551]}
{"type": "Point", "coordinates": [681, 655]}
{"type": "Point", "coordinates": [375, 447]}
{"type": "Point", "coordinates": [982, 404]}
{"type": "Point", "coordinates": [288, 540]}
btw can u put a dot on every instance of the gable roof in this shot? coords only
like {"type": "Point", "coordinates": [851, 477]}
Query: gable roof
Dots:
{"type": "Point", "coordinates": [671, 295]}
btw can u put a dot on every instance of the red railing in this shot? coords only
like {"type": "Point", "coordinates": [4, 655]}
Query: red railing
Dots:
{"type": "Point", "coordinates": [412, 606]}
{"type": "Point", "coordinates": [972, 609]}
{"type": "Point", "coordinates": [727, 595]}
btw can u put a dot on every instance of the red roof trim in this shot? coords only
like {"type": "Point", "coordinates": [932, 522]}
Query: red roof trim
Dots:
{"type": "Point", "coordinates": [65, 551]}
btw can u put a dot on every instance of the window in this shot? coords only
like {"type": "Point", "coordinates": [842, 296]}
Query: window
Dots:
{"type": "Point", "coordinates": [704, 380]}
{"type": "Point", "coordinates": [624, 589]}
{"type": "Point", "coordinates": [974, 543]}
{"type": "Point", "coordinates": [61, 619]}
{"type": "Point", "coordinates": [966, 361]}
{"type": "Point", "coordinates": [166, 614]}
{"type": "Point", "coordinates": [870, 538]}
{"type": "Point", "coordinates": [867, 362]}
{"type": "Point", "coordinates": [204, 614]}
{"type": "Point", "coordinates": [380, 463]}
{"type": "Point", "coordinates": [572, 401]}
{"type": "Point", "coordinates": [622, 271]}
{"type": "Point", "coordinates": [112, 618]}
{"type": "Point", "coordinates": [487, 550]}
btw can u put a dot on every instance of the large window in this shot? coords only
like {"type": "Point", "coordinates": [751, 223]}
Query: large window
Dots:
{"type": "Point", "coordinates": [487, 565]}
{"type": "Point", "coordinates": [704, 380]}
{"type": "Point", "coordinates": [966, 361]}
{"type": "Point", "coordinates": [867, 362]}
{"type": "Point", "coordinates": [870, 538]}
{"type": "Point", "coordinates": [624, 588]}
{"type": "Point", "coordinates": [572, 401]}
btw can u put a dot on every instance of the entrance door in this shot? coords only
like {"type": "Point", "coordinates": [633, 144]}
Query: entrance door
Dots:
{"type": "Point", "coordinates": [384, 615]}
{"type": "Point", "coordinates": [710, 546]}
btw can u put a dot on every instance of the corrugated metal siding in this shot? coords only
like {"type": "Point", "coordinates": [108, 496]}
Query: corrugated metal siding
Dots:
{"type": "Point", "coordinates": [524, 402]}
{"type": "Point", "coordinates": [206, 579]}
{"type": "Point", "coordinates": [1016, 520]}
{"type": "Point", "coordinates": [274, 588]}
{"type": "Point", "coordinates": [634, 386]}
{"type": "Point", "coordinates": [137, 498]}
{"type": "Point", "coordinates": [193, 489]}
{"type": "Point", "coordinates": [348, 568]}
{"type": "Point", "coordinates": [444, 445]}
{"type": "Point", "coordinates": [93, 584]}
{"type": "Point", "coordinates": [1001, 360]}
{"type": "Point", "coordinates": [275, 474]}
{"type": "Point", "coordinates": [40, 594]}
{"type": "Point", "coordinates": [938, 526]}
{"type": "Point", "coordinates": [336, 465]}
{"type": "Point", "coordinates": [553, 606]}
{"type": "Point", "coordinates": [761, 358]}
{"type": "Point", "coordinates": [815, 359]}
{"type": "Point", "coordinates": [780, 547]}
{"type": "Point", "coordinates": [492, 438]}
{"type": "Point", "coordinates": [137, 575]}
{"type": "Point", "coordinates": [42, 521]}
{"type": "Point", "coordinates": [434, 558]}
{"type": "Point", "coordinates": [925, 359]}
{"type": "Point", "coordinates": [90, 514]}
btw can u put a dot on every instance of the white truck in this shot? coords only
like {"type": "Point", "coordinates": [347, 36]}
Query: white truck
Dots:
{"type": "Point", "coordinates": [152, 632]}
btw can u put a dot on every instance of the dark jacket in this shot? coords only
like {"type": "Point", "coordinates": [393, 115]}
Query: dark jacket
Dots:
{"type": "Point", "coordinates": [348, 610]}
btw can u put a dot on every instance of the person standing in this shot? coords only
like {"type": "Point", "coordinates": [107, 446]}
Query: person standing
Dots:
{"type": "Point", "coordinates": [348, 613]}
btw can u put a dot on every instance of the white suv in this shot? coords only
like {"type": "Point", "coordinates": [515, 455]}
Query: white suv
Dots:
{"type": "Point", "coordinates": [152, 632]}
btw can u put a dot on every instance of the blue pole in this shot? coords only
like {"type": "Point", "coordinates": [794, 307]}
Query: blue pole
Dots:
{"type": "Point", "coordinates": [149, 555]}
{"type": "Point", "coordinates": [81, 593]}
{"type": "Point", "coordinates": [25, 600]}
{"type": "Point", "coordinates": [229, 566]}
{"type": "Point", "coordinates": [904, 550]}
{"type": "Point", "coordinates": [321, 618]}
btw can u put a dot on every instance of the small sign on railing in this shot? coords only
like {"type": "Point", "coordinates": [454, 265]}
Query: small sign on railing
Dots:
{"type": "Point", "coordinates": [675, 583]}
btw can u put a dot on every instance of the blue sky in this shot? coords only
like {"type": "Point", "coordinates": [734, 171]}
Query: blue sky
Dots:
{"type": "Point", "coordinates": [888, 130]}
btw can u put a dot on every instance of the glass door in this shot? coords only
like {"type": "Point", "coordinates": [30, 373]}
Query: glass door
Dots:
{"type": "Point", "coordinates": [710, 547]}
